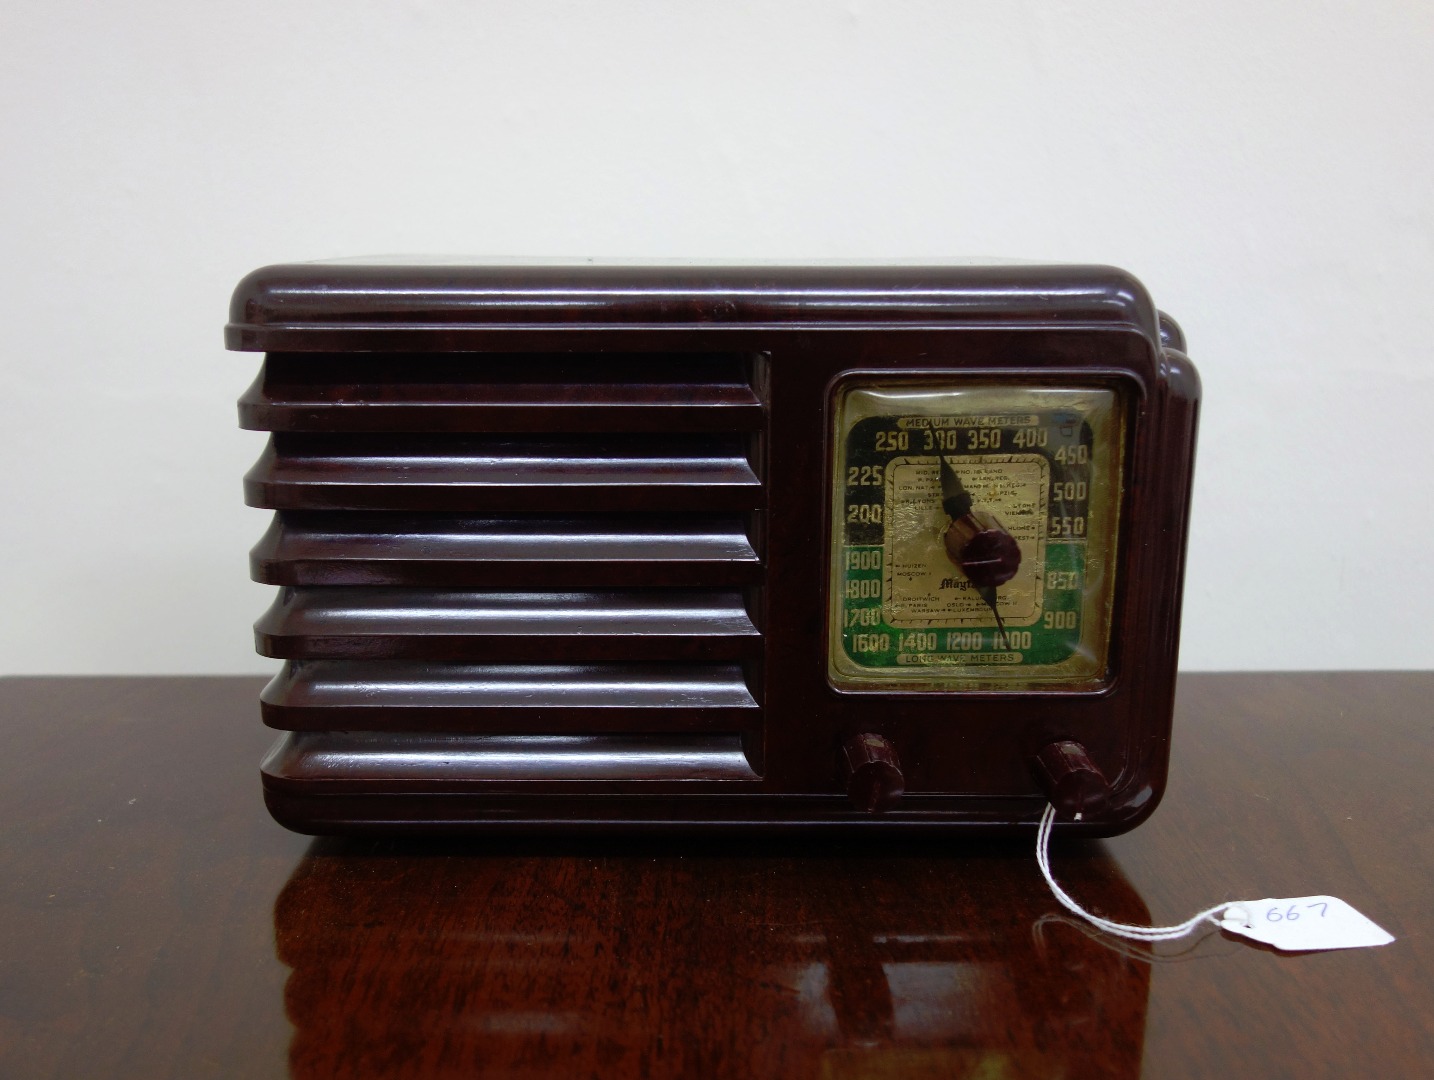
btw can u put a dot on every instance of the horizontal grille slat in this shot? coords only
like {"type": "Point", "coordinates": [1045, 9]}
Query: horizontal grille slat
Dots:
{"type": "Point", "coordinates": [485, 393]}
{"type": "Point", "coordinates": [370, 761]}
{"type": "Point", "coordinates": [594, 473]}
{"type": "Point", "coordinates": [321, 695]}
{"type": "Point", "coordinates": [378, 622]}
{"type": "Point", "coordinates": [375, 548]}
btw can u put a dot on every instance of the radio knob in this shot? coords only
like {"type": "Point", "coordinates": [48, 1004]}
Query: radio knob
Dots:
{"type": "Point", "coordinates": [986, 553]}
{"type": "Point", "coordinates": [1073, 782]}
{"type": "Point", "coordinates": [975, 540]}
{"type": "Point", "coordinates": [872, 772]}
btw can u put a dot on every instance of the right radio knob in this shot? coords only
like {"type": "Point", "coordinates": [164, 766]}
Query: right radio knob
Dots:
{"type": "Point", "coordinates": [1073, 783]}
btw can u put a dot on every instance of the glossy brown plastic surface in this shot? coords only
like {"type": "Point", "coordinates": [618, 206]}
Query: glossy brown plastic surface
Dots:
{"type": "Point", "coordinates": [155, 924]}
{"type": "Point", "coordinates": [362, 392]}
{"type": "Point", "coordinates": [448, 624]}
{"type": "Point", "coordinates": [370, 761]}
{"type": "Point", "coordinates": [406, 695]}
{"type": "Point", "coordinates": [873, 773]}
{"type": "Point", "coordinates": [423, 472]}
{"type": "Point", "coordinates": [355, 305]}
{"type": "Point", "coordinates": [516, 550]}
{"type": "Point", "coordinates": [445, 434]}
{"type": "Point", "coordinates": [1072, 782]}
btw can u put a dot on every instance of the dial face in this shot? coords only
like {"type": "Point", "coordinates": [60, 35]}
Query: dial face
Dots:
{"type": "Point", "coordinates": [973, 534]}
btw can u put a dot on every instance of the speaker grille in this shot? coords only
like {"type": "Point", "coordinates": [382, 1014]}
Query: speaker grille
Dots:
{"type": "Point", "coordinates": [510, 547]}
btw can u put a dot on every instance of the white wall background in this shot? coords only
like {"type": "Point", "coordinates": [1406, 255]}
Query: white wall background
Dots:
{"type": "Point", "coordinates": [1266, 168]}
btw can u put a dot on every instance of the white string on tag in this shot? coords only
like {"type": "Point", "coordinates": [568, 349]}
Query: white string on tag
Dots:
{"type": "Point", "coordinates": [1290, 924]}
{"type": "Point", "coordinates": [1125, 930]}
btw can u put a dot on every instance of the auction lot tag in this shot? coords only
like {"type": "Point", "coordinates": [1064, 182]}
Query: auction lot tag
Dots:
{"type": "Point", "coordinates": [1303, 924]}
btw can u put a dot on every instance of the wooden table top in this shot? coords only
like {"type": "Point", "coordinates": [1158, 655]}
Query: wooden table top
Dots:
{"type": "Point", "coordinates": [154, 922]}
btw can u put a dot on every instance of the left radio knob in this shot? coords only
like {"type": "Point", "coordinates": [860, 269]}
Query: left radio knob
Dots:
{"type": "Point", "coordinates": [872, 772]}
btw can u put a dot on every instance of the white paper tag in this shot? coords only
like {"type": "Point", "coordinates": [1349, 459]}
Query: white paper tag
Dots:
{"type": "Point", "coordinates": [1303, 924]}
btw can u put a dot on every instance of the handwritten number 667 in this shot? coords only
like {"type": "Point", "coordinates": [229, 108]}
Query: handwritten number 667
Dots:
{"type": "Point", "coordinates": [1292, 912]}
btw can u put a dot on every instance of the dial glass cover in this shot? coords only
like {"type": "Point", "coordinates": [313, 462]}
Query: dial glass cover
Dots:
{"type": "Point", "coordinates": [974, 531]}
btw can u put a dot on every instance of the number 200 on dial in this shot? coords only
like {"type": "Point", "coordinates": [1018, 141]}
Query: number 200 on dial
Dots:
{"type": "Point", "coordinates": [973, 534]}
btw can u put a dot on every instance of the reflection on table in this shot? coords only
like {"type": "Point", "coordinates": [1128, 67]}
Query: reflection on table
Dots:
{"type": "Point", "coordinates": [800, 960]}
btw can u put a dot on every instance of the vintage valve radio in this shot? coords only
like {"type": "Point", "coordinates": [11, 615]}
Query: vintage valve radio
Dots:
{"type": "Point", "coordinates": [614, 546]}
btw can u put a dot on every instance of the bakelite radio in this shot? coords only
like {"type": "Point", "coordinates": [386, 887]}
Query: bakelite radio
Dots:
{"type": "Point", "coordinates": [607, 546]}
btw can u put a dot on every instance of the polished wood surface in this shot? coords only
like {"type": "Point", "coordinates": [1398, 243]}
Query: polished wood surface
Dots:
{"type": "Point", "coordinates": [154, 922]}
